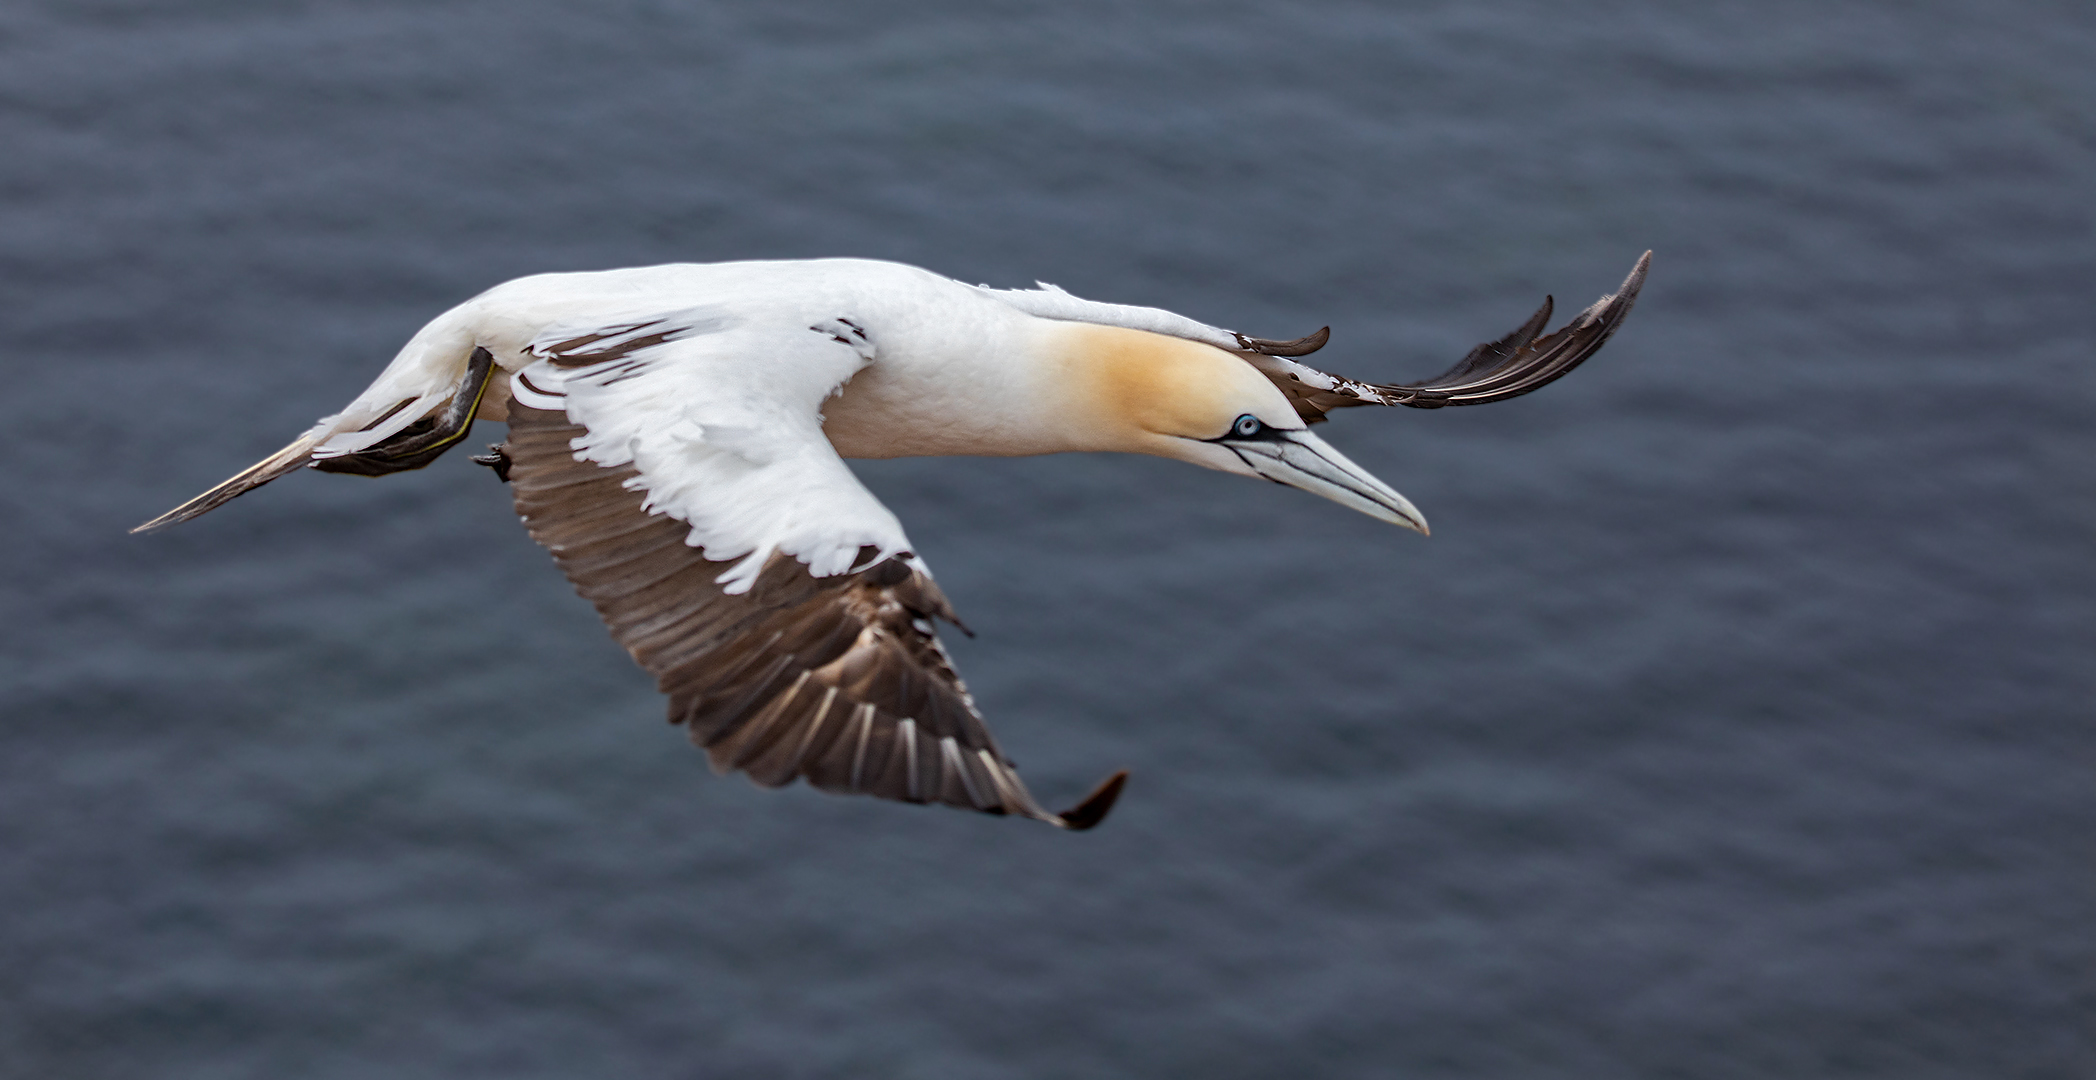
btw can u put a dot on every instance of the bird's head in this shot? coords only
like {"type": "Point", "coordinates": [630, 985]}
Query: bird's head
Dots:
{"type": "Point", "coordinates": [1152, 394]}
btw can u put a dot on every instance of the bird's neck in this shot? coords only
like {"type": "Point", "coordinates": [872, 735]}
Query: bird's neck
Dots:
{"type": "Point", "coordinates": [1126, 389]}
{"type": "Point", "coordinates": [1047, 387]}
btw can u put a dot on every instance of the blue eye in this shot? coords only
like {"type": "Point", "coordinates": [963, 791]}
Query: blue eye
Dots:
{"type": "Point", "coordinates": [1247, 426]}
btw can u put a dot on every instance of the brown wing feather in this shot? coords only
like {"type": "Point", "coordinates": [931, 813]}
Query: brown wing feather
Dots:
{"type": "Point", "coordinates": [840, 680]}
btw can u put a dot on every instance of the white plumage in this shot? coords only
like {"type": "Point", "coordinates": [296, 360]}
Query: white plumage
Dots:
{"type": "Point", "coordinates": [786, 609]}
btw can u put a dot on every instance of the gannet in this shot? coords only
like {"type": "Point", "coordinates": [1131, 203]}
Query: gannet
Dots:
{"type": "Point", "coordinates": [676, 441]}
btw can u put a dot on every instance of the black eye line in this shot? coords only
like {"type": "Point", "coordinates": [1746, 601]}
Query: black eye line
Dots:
{"type": "Point", "coordinates": [1266, 433]}
{"type": "Point", "coordinates": [1249, 463]}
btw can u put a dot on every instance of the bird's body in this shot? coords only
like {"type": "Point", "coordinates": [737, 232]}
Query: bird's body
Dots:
{"type": "Point", "coordinates": [676, 441]}
{"type": "Point", "coordinates": [962, 370]}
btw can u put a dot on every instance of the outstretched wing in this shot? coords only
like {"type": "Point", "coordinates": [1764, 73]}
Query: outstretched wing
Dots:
{"type": "Point", "coordinates": [838, 677]}
{"type": "Point", "coordinates": [1494, 371]}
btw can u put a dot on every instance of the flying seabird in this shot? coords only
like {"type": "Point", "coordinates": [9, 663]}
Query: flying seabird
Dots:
{"type": "Point", "coordinates": [677, 436]}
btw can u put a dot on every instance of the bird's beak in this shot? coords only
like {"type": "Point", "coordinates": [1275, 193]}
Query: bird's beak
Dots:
{"type": "Point", "coordinates": [1300, 459]}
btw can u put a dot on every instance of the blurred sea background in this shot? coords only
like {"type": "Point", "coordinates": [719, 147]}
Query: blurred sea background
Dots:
{"type": "Point", "coordinates": [1735, 722]}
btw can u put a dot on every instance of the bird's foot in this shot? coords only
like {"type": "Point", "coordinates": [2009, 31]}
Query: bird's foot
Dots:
{"type": "Point", "coordinates": [497, 458]}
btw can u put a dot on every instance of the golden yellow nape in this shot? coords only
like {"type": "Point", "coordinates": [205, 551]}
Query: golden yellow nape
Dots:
{"type": "Point", "coordinates": [1134, 386]}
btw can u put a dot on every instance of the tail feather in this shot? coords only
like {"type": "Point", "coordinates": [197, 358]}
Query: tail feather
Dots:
{"type": "Point", "coordinates": [422, 377]}
{"type": "Point", "coordinates": [288, 460]}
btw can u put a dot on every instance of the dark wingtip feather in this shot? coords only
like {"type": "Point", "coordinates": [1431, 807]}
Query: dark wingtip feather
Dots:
{"type": "Point", "coordinates": [1095, 806]}
{"type": "Point", "coordinates": [1302, 346]}
{"type": "Point", "coordinates": [1491, 354]}
{"type": "Point", "coordinates": [1521, 362]}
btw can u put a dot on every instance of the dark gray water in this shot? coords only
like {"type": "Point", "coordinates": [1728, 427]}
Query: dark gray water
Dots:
{"type": "Point", "coordinates": [1736, 722]}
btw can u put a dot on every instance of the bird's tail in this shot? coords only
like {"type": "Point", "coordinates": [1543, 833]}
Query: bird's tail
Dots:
{"type": "Point", "coordinates": [418, 408]}
{"type": "Point", "coordinates": [289, 459]}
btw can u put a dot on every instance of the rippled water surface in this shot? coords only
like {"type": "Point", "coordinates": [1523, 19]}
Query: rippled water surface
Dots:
{"type": "Point", "coordinates": [1735, 722]}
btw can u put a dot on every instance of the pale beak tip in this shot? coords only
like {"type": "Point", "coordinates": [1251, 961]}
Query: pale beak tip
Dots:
{"type": "Point", "coordinates": [1405, 514]}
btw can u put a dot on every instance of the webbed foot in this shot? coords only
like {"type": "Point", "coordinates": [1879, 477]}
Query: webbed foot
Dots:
{"type": "Point", "coordinates": [497, 458]}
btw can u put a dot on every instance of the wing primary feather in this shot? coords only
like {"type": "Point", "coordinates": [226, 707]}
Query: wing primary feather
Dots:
{"type": "Point", "coordinates": [1519, 363]}
{"type": "Point", "coordinates": [750, 740]}
{"type": "Point", "coordinates": [815, 727]}
{"type": "Point", "coordinates": [718, 722]}
{"type": "Point", "coordinates": [858, 773]}
{"type": "Point", "coordinates": [1492, 353]}
{"type": "Point", "coordinates": [908, 728]}
{"type": "Point", "coordinates": [1302, 346]}
{"type": "Point", "coordinates": [1008, 798]}
{"type": "Point", "coordinates": [952, 765]}
{"type": "Point", "coordinates": [1095, 806]}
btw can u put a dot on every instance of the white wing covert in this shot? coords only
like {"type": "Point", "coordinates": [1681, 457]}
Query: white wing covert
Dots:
{"type": "Point", "coordinates": [720, 419]}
